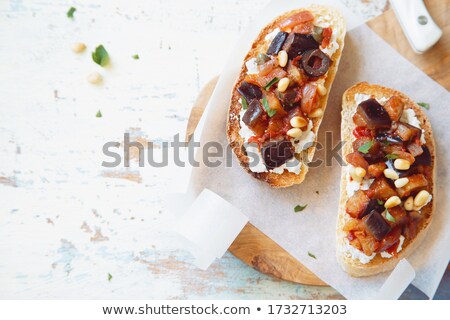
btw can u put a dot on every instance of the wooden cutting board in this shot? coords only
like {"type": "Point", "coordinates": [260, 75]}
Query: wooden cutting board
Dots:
{"type": "Point", "coordinates": [254, 247]}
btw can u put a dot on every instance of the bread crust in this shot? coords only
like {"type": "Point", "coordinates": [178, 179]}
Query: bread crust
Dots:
{"type": "Point", "coordinates": [236, 142]}
{"type": "Point", "coordinates": [378, 264]}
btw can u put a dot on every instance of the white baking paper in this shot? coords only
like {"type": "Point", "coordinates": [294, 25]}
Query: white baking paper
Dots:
{"type": "Point", "coordinates": [366, 57]}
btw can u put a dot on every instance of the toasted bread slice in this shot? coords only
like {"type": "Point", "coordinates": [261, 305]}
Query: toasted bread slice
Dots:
{"type": "Point", "coordinates": [285, 179]}
{"type": "Point", "coordinates": [378, 264]}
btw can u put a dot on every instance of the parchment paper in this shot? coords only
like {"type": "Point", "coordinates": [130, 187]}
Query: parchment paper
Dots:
{"type": "Point", "coordinates": [366, 57]}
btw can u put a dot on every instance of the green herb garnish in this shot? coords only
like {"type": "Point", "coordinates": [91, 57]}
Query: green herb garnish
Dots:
{"type": "Point", "coordinates": [266, 106]}
{"type": "Point", "coordinates": [366, 147]}
{"type": "Point", "coordinates": [299, 208]}
{"type": "Point", "coordinates": [99, 114]}
{"type": "Point", "coordinates": [271, 83]}
{"type": "Point", "coordinates": [100, 56]}
{"type": "Point", "coordinates": [424, 105]}
{"type": "Point", "coordinates": [311, 255]}
{"type": "Point", "coordinates": [380, 202]}
{"type": "Point", "coordinates": [71, 12]}
{"type": "Point", "coordinates": [391, 156]}
{"type": "Point", "coordinates": [109, 277]}
{"type": "Point", "coordinates": [244, 103]}
{"type": "Point", "coordinates": [135, 56]}
{"type": "Point", "coordinates": [389, 217]}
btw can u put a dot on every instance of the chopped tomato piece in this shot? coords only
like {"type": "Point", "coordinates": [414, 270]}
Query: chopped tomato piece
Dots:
{"type": "Point", "coordinates": [304, 28]}
{"type": "Point", "coordinates": [298, 18]}
{"type": "Point", "coordinates": [310, 98]}
{"type": "Point", "coordinates": [359, 132]}
{"type": "Point", "coordinates": [326, 34]}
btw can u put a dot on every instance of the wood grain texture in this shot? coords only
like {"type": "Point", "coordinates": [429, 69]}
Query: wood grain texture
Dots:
{"type": "Point", "coordinates": [436, 61]}
{"type": "Point", "coordinates": [254, 247]}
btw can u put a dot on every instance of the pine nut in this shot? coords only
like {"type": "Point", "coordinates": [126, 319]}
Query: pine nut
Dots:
{"type": "Point", "coordinates": [421, 198]}
{"type": "Point", "coordinates": [294, 132]}
{"type": "Point", "coordinates": [390, 174]}
{"type": "Point", "coordinates": [298, 122]}
{"type": "Point", "coordinates": [401, 182]}
{"type": "Point", "coordinates": [392, 202]}
{"type": "Point", "coordinates": [94, 78]}
{"type": "Point", "coordinates": [321, 88]}
{"type": "Point", "coordinates": [282, 58]}
{"type": "Point", "coordinates": [409, 204]}
{"type": "Point", "coordinates": [401, 164]}
{"type": "Point", "coordinates": [316, 113]}
{"type": "Point", "coordinates": [78, 47]}
{"type": "Point", "coordinates": [283, 84]}
{"type": "Point", "coordinates": [353, 174]}
{"type": "Point", "coordinates": [360, 172]}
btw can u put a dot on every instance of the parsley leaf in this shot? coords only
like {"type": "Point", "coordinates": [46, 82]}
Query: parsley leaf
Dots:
{"type": "Point", "coordinates": [71, 12]}
{"type": "Point", "coordinates": [391, 156]}
{"type": "Point", "coordinates": [244, 103]}
{"type": "Point", "coordinates": [109, 277]}
{"type": "Point", "coordinates": [389, 217]}
{"type": "Point", "coordinates": [100, 56]}
{"type": "Point", "coordinates": [266, 106]}
{"type": "Point", "coordinates": [380, 202]}
{"type": "Point", "coordinates": [99, 114]}
{"type": "Point", "coordinates": [135, 56]}
{"type": "Point", "coordinates": [424, 105]}
{"type": "Point", "coordinates": [311, 255]}
{"type": "Point", "coordinates": [366, 147]}
{"type": "Point", "coordinates": [271, 83]}
{"type": "Point", "coordinates": [299, 208]}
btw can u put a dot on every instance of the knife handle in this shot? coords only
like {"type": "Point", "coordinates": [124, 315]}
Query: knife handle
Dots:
{"type": "Point", "coordinates": [420, 29]}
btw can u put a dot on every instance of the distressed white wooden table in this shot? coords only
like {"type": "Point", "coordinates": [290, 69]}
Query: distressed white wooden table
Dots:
{"type": "Point", "coordinates": [70, 228]}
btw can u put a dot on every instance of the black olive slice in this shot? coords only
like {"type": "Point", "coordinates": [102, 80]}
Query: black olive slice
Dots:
{"type": "Point", "coordinates": [315, 63]}
{"type": "Point", "coordinates": [277, 153]}
{"type": "Point", "coordinates": [250, 91]}
{"type": "Point", "coordinates": [297, 43]}
{"type": "Point", "coordinates": [277, 43]}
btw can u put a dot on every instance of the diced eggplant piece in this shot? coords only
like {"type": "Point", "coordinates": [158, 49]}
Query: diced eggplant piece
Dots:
{"type": "Point", "coordinates": [391, 239]}
{"type": "Point", "coordinates": [410, 230]}
{"type": "Point", "coordinates": [315, 63]}
{"type": "Point", "coordinates": [277, 43]}
{"type": "Point", "coordinates": [368, 243]}
{"type": "Point", "coordinates": [374, 114]}
{"type": "Point", "coordinates": [297, 43]}
{"type": "Point", "coordinates": [353, 225]}
{"type": "Point", "coordinates": [416, 183]}
{"type": "Point", "coordinates": [356, 204]}
{"type": "Point", "coordinates": [253, 113]}
{"type": "Point", "coordinates": [407, 132]}
{"type": "Point", "coordinates": [376, 226]}
{"type": "Point", "coordinates": [277, 153]}
{"type": "Point", "coordinates": [290, 99]}
{"type": "Point", "coordinates": [415, 148]}
{"type": "Point", "coordinates": [381, 189]}
{"type": "Point", "coordinates": [388, 139]}
{"type": "Point", "coordinates": [250, 91]}
{"type": "Point", "coordinates": [376, 169]}
{"type": "Point", "coordinates": [359, 120]}
{"type": "Point", "coordinates": [372, 205]}
{"type": "Point", "coordinates": [394, 107]}
{"type": "Point", "coordinates": [359, 142]}
{"type": "Point", "coordinates": [424, 159]}
{"type": "Point", "coordinates": [399, 215]}
{"type": "Point", "coordinates": [357, 160]}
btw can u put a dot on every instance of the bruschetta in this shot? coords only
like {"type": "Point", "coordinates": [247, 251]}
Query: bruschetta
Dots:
{"type": "Point", "coordinates": [387, 186]}
{"type": "Point", "coordinates": [279, 98]}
